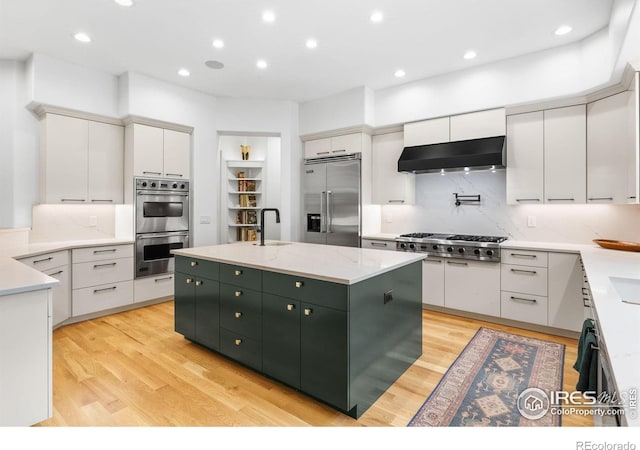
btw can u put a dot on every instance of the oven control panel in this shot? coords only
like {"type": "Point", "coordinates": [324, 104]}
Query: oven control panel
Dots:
{"type": "Point", "coordinates": [155, 184]}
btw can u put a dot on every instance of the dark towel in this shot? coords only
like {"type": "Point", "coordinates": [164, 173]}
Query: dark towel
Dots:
{"type": "Point", "coordinates": [588, 371]}
{"type": "Point", "coordinates": [587, 326]}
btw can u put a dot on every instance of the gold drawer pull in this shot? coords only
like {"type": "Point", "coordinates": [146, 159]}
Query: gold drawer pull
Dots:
{"type": "Point", "coordinates": [198, 283]}
{"type": "Point", "coordinates": [189, 280]}
{"type": "Point", "coordinates": [238, 341]}
{"type": "Point", "coordinates": [238, 273]}
{"type": "Point", "coordinates": [194, 263]}
{"type": "Point", "coordinates": [237, 293]}
{"type": "Point", "coordinates": [291, 307]}
{"type": "Point", "coordinates": [299, 284]}
{"type": "Point", "coordinates": [238, 315]}
{"type": "Point", "coordinates": [308, 311]}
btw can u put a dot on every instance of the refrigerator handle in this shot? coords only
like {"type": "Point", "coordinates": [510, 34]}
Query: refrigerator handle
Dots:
{"type": "Point", "coordinates": [323, 218]}
{"type": "Point", "coordinates": [329, 213]}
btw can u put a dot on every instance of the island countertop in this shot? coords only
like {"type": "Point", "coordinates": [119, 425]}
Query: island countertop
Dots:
{"type": "Point", "coordinates": [344, 265]}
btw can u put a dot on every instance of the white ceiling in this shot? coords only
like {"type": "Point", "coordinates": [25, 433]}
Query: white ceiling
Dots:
{"type": "Point", "coordinates": [423, 37]}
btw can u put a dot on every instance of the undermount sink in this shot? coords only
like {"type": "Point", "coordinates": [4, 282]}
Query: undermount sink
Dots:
{"type": "Point", "coordinates": [274, 243]}
{"type": "Point", "coordinates": [628, 289]}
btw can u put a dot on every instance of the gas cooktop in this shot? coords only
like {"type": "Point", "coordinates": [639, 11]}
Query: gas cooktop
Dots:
{"type": "Point", "coordinates": [482, 248]}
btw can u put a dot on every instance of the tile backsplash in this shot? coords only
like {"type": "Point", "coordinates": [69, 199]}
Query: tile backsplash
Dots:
{"type": "Point", "coordinates": [435, 211]}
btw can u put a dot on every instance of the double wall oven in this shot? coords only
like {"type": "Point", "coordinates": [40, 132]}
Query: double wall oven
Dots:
{"type": "Point", "coordinates": [162, 223]}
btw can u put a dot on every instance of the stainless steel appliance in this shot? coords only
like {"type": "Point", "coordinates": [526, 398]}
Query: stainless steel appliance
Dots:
{"type": "Point", "coordinates": [162, 224]}
{"type": "Point", "coordinates": [332, 212]}
{"type": "Point", "coordinates": [479, 248]}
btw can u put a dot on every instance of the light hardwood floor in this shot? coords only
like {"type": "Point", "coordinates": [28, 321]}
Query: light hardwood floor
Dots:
{"type": "Point", "coordinates": [132, 369]}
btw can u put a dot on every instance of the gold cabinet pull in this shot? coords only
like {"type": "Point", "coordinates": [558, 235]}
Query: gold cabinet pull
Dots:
{"type": "Point", "coordinates": [308, 311]}
{"type": "Point", "coordinates": [189, 280]}
{"type": "Point", "coordinates": [291, 307]}
{"type": "Point", "coordinates": [198, 283]}
{"type": "Point", "coordinates": [238, 315]}
{"type": "Point", "coordinates": [194, 263]}
{"type": "Point", "coordinates": [237, 293]}
{"type": "Point", "coordinates": [299, 284]}
{"type": "Point", "coordinates": [238, 341]}
{"type": "Point", "coordinates": [238, 273]}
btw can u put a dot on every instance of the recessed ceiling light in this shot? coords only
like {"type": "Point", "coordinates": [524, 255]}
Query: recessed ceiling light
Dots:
{"type": "Point", "coordinates": [376, 17]}
{"type": "Point", "coordinates": [563, 29]}
{"type": "Point", "coordinates": [399, 73]}
{"type": "Point", "coordinates": [470, 54]}
{"type": "Point", "coordinates": [311, 43]}
{"type": "Point", "coordinates": [262, 64]}
{"type": "Point", "coordinates": [124, 2]}
{"type": "Point", "coordinates": [268, 16]}
{"type": "Point", "coordinates": [82, 37]}
{"type": "Point", "coordinates": [184, 73]}
{"type": "Point", "coordinates": [218, 43]}
{"type": "Point", "coordinates": [211, 64]}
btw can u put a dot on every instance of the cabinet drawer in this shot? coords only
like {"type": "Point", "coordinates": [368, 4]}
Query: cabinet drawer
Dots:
{"type": "Point", "coordinates": [47, 261]}
{"type": "Point", "coordinates": [524, 279]}
{"type": "Point", "coordinates": [101, 272]}
{"type": "Point", "coordinates": [241, 348]}
{"type": "Point", "coordinates": [101, 253]}
{"type": "Point", "coordinates": [102, 297]}
{"type": "Point", "coordinates": [378, 244]}
{"type": "Point", "coordinates": [524, 257]}
{"type": "Point", "coordinates": [150, 288]}
{"type": "Point", "coordinates": [323, 293]}
{"type": "Point", "coordinates": [524, 307]}
{"type": "Point", "coordinates": [198, 267]}
{"type": "Point", "coordinates": [243, 313]}
{"type": "Point", "coordinates": [241, 276]}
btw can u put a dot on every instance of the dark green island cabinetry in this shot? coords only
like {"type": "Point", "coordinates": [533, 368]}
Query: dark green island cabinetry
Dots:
{"type": "Point", "coordinates": [343, 344]}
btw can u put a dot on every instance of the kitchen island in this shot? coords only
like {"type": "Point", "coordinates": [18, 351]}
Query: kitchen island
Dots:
{"type": "Point", "coordinates": [340, 324]}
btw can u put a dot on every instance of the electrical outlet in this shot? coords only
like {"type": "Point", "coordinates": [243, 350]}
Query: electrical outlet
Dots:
{"type": "Point", "coordinates": [93, 221]}
{"type": "Point", "coordinates": [388, 216]}
{"type": "Point", "coordinates": [531, 221]}
{"type": "Point", "coordinates": [205, 219]}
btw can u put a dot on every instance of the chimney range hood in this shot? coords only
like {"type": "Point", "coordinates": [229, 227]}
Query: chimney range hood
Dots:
{"type": "Point", "coordinates": [473, 154]}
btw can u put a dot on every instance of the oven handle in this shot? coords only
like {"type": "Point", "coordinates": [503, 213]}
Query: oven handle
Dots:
{"type": "Point", "coordinates": [164, 193]}
{"type": "Point", "coordinates": [154, 236]}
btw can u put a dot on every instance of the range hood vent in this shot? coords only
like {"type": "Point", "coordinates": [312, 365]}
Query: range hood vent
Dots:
{"type": "Point", "coordinates": [473, 154]}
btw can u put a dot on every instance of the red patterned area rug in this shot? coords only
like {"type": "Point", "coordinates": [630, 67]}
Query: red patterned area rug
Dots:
{"type": "Point", "coordinates": [499, 379]}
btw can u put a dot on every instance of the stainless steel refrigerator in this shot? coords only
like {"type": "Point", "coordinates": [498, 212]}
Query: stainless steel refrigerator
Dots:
{"type": "Point", "coordinates": [332, 213]}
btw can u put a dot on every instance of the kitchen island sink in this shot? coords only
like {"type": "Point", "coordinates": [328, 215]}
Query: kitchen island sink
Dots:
{"type": "Point", "coordinates": [340, 324]}
{"type": "Point", "coordinates": [627, 288]}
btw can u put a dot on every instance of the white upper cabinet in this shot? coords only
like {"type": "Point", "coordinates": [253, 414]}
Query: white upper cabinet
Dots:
{"type": "Point", "coordinates": [565, 176]}
{"type": "Point", "coordinates": [389, 185]}
{"type": "Point", "coordinates": [525, 158]}
{"type": "Point", "coordinates": [82, 161]}
{"type": "Point", "coordinates": [158, 152]}
{"type": "Point", "coordinates": [432, 131]}
{"type": "Point", "coordinates": [480, 124]}
{"type": "Point", "coordinates": [345, 144]}
{"type": "Point", "coordinates": [612, 164]}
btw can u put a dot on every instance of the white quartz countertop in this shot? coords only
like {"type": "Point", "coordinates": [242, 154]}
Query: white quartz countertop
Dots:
{"type": "Point", "coordinates": [547, 246]}
{"type": "Point", "coordinates": [17, 277]}
{"type": "Point", "coordinates": [344, 265]}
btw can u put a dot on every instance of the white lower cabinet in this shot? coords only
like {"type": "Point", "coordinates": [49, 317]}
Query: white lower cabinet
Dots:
{"type": "Point", "coordinates": [102, 297]}
{"type": "Point", "coordinates": [433, 281]}
{"type": "Point", "coordinates": [378, 244]}
{"type": "Point", "coordinates": [523, 307]}
{"type": "Point", "coordinates": [566, 308]}
{"type": "Point", "coordinates": [472, 286]}
{"type": "Point", "coordinates": [151, 288]}
{"type": "Point", "coordinates": [524, 279]}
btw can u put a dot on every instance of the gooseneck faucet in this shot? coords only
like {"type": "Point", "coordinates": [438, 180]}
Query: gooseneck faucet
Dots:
{"type": "Point", "coordinates": [262, 229]}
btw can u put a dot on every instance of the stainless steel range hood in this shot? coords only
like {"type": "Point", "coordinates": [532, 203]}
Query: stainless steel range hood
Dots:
{"type": "Point", "coordinates": [473, 154]}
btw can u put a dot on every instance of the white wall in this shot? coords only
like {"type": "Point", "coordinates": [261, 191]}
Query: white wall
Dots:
{"type": "Point", "coordinates": [346, 109]}
{"type": "Point", "coordinates": [18, 148]}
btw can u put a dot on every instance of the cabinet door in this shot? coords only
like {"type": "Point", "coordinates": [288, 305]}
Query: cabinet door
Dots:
{"type": "Point", "coordinates": [61, 294]}
{"type": "Point", "coordinates": [177, 149]}
{"type": "Point", "coordinates": [323, 354]}
{"type": "Point", "coordinates": [432, 131]}
{"type": "Point", "coordinates": [565, 155]}
{"type": "Point", "coordinates": [565, 291]}
{"type": "Point", "coordinates": [317, 147]}
{"type": "Point", "coordinates": [476, 125]}
{"type": "Point", "coordinates": [433, 281]}
{"type": "Point", "coordinates": [346, 144]}
{"type": "Point", "coordinates": [185, 305]}
{"type": "Point", "coordinates": [389, 185]}
{"type": "Point", "coordinates": [281, 338]}
{"type": "Point", "coordinates": [207, 313]}
{"type": "Point", "coordinates": [66, 159]}
{"type": "Point", "coordinates": [106, 162]}
{"type": "Point", "coordinates": [525, 158]}
{"type": "Point", "coordinates": [611, 156]}
{"type": "Point", "coordinates": [473, 286]}
{"type": "Point", "coordinates": [148, 151]}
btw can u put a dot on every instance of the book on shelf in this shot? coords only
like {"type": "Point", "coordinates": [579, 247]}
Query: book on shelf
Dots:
{"type": "Point", "coordinates": [246, 217]}
{"type": "Point", "coordinates": [246, 185]}
{"type": "Point", "coordinates": [247, 200]}
{"type": "Point", "coordinates": [247, 234]}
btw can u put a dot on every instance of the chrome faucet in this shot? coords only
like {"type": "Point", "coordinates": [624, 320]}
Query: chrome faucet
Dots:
{"type": "Point", "coordinates": [262, 229]}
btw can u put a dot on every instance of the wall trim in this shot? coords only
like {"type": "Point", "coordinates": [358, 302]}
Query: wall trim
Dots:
{"type": "Point", "coordinates": [128, 120]}
{"type": "Point", "coordinates": [366, 129]}
{"type": "Point", "coordinates": [41, 110]}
